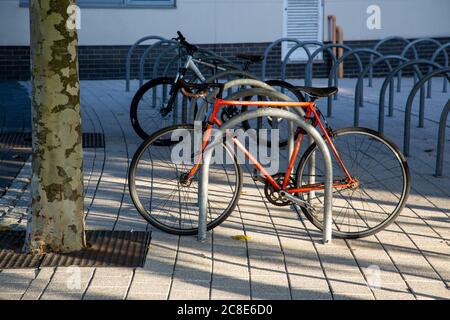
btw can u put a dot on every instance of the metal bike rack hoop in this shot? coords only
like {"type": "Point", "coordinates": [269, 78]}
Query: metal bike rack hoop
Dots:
{"type": "Point", "coordinates": [441, 139]}
{"type": "Point", "coordinates": [169, 65]}
{"type": "Point", "coordinates": [259, 88]}
{"type": "Point", "coordinates": [408, 109]}
{"type": "Point", "coordinates": [262, 89]}
{"type": "Point", "coordinates": [360, 80]}
{"type": "Point", "coordinates": [379, 43]}
{"type": "Point", "coordinates": [276, 113]}
{"type": "Point", "coordinates": [388, 79]}
{"type": "Point", "coordinates": [147, 51]}
{"type": "Point", "coordinates": [251, 81]}
{"type": "Point", "coordinates": [267, 51]}
{"type": "Point", "coordinates": [416, 56]}
{"type": "Point", "coordinates": [333, 72]}
{"type": "Point", "coordinates": [446, 62]}
{"type": "Point", "coordinates": [309, 64]}
{"type": "Point", "coordinates": [164, 53]}
{"type": "Point", "coordinates": [303, 45]}
{"type": "Point", "coordinates": [130, 54]}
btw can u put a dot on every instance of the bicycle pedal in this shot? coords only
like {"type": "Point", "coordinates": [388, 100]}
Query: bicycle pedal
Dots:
{"type": "Point", "coordinates": [258, 178]}
{"type": "Point", "coordinates": [300, 202]}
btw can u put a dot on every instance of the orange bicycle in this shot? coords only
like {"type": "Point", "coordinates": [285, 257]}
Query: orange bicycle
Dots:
{"type": "Point", "coordinates": [370, 186]}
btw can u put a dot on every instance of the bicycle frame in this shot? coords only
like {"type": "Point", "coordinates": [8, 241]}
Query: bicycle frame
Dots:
{"type": "Point", "coordinates": [311, 113]}
{"type": "Point", "coordinates": [191, 64]}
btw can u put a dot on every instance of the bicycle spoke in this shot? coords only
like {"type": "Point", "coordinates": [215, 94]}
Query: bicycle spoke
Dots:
{"type": "Point", "coordinates": [170, 204]}
{"type": "Point", "coordinates": [380, 184]}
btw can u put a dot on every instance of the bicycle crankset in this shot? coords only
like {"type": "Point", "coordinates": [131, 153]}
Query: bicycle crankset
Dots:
{"type": "Point", "coordinates": [274, 195]}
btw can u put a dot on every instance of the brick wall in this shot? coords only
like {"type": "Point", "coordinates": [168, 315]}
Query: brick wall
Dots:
{"type": "Point", "coordinates": [108, 62]}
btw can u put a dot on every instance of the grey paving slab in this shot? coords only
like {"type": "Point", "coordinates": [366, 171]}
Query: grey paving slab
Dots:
{"type": "Point", "coordinates": [39, 284]}
{"type": "Point", "coordinates": [283, 258]}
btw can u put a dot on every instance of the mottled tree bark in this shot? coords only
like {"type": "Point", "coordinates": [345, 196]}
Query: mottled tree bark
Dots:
{"type": "Point", "coordinates": [57, 221]}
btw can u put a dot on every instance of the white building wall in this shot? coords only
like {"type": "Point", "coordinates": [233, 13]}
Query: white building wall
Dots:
{"type": "Point", "coordinates": [235, 21]}
{"type": "Point", "coordinates": [202, 21]}
{"type": "Point", "coordinates": [406, 18]}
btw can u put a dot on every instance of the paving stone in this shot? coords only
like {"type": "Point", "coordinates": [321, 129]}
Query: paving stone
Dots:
{"type": "Point", "coordinates": [146, 296]}
{"type": "Point", "coordinates": [10, 296]}
{"type": "Point", "coordinates": [352, 296]}
{"type": "Point", "coordinates": [234, 293]}
{"type": "Point", "coordinates": [392, 293]}
{"type": "Point", "coordinates": [270, 292]}
{"type": "Point", "coordinates": [38, 285]}
{"type": "Point", "coordinates": [425, 290]}
{"type": "Point", "coordinates": [311, 294]}
{"type": "Point", "coordinates": [230, 282]}
{"type": "Point", "coordinates": [279, 241]}
{"type": "Point", "coordinates": [189, 285]}
{"type": "Point", "coordinates": [105, 293]}
{"type": "Point", "coordinates": [61, 295]}
{"type": "Point", "coordinates": [103, 281]}
{"type": "Point", "coordinates": [161, 287]}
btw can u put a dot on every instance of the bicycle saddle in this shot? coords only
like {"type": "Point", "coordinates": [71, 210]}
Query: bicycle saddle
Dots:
{"type": "Point", "coordinates": [317, 92]}
{"type": "Point", "coordinates": [250, 57]}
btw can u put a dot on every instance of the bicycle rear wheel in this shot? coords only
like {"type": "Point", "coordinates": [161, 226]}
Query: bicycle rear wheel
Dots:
{"type": "Point", "coordinates": [383, 176]}
{"type": "Point", "coordinates": [164, 198]}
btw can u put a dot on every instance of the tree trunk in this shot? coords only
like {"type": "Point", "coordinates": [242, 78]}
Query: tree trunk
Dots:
{"type": "Point", "coordinates": [57, 221]}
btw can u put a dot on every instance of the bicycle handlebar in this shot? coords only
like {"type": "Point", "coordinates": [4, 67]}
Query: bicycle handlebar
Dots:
{"type": "Point", "coordinates": [189, 47]}
{"type": "Point", "coordinates": [180, 36]}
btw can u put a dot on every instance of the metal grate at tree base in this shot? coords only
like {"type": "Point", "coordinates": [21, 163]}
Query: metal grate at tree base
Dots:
{"type": "Point", "coordinates": [14, 152]}
{"type": "Point", "coordinates": [93, 140]}
{"type": "Point", "coordinates": [105, 249]}
{"type": "Point", "coordinates": [11, 257]}
{"type": "Point", "coordinates": [10, 140]}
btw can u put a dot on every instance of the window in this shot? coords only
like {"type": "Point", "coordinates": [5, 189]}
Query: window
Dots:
{"type": "Point", "coordinates": [303, 21]}
{"type": "Point", "coordinates": [118, 3]}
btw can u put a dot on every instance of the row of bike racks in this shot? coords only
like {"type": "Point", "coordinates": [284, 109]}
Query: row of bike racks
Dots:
{"type": "Point", "coordinates": [172, 46]}
{"type": "Point", "coordinates": [375, 58]}
{"type": "Point", "coordinates": [442, 122]}
{"type": "Point", "coordinates": [419, 86]}
{"type": "Point", "coordinates": [294, 118]}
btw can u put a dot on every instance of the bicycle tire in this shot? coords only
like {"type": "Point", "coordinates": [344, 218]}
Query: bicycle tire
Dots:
{"type": "Point", "coordinates": [397, 154]}
{"type": "Point", "coordinates": [143, 148]}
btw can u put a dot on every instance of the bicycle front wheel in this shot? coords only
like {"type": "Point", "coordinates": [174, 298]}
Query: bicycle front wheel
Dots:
{"type": "Point", "coordinates": [160, 191]}
{"type": "Point", "coordinates": [380, 194]}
